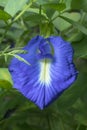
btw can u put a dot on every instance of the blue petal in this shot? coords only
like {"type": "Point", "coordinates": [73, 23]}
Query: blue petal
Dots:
{"type": "Point", "coordinates": [49, 74]}
{"type": "Point", "coordinates": [63, 70]}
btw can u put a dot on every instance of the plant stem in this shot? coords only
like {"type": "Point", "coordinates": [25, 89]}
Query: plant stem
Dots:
{"type": "Point", "coordinates": [22, 12]}
{"type": "Point", "coordinates": [40, 19]}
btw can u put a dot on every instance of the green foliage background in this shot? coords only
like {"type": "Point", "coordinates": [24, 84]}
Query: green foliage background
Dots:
{"type": "Point", "coordinates": [20, 20]}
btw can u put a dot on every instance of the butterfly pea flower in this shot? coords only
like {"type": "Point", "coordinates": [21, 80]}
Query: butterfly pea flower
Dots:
{"type": "Point", "coordinates": [51, 71]}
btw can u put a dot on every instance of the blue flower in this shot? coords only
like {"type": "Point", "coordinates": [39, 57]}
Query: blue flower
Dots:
{"type": "Point", "coordinates": [51, 71]}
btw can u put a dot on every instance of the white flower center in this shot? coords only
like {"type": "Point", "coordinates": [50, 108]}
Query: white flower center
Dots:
{"type": "Point", "coordinates": [44, 76]}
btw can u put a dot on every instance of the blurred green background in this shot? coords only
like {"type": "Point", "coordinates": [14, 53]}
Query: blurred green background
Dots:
{"type": "Point", "coordinates": [21, 20]}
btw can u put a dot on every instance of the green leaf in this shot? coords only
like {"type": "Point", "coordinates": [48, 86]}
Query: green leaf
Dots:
{"type": "Point", "coordinates": [37, 11]}
{"type": "Point", "coordinates": [13, 6]}
{"type": "Point", "coordinates": [84, 56]}
{"type": "Point", "coordinates": [5, 75]}
{"type": "Point", "coordinates": [3, 2]}
{"type": "Point", "coordinates": [20, 58]}
{"type": "Point", "coordinates": [71, 95]}
{"type": "Point", "coordinates": [4, 15]}
{"type": "Point", "coordinates": [35, 18]}
{"type": "Point", "coordinates": [55, 6]}
{"type": "Point", "coordinates": [80, 47]}
{"type": "Point", "coordinates": [76, 24]}
{"type": "Point", "coordinates": [4, 84]}
{"type": "Point", "coordinates": [62, 24]}
{"type": "Point", "coordinates": [14, 51]}
{"type": "Point", "coordinates": [41, 2]}
{"type": "Point", "coordinates": [81, 113]}
{"type": "Point", "coordinates": [68, 4]}
{"type": "Point", "coordinates": [9, 100]}
{"type": "Point", "coordinates": [79, 4]}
